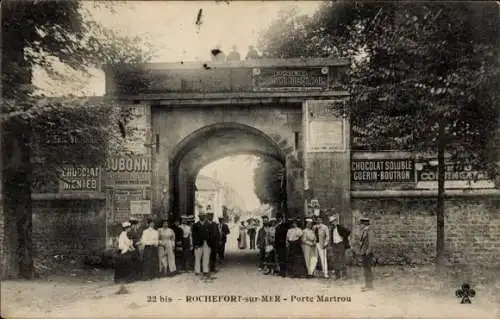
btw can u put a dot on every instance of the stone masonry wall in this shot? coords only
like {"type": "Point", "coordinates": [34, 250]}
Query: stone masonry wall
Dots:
{"type": "Point", "coordinates": [64, 227]}
{"type": "Point", "coordinates": [405, 230]}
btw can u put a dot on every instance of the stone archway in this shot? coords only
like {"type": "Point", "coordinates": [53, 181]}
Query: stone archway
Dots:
{"type": "Point", "coordinates": [209, 144]}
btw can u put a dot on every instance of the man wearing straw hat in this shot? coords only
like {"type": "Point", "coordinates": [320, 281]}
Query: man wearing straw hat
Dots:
{"type": "Point", "coordinates": [323, 240]}
{"type": "Point", "coordinates": [187, 243]}
{"type": "Point", "coordinates": [366, 252]}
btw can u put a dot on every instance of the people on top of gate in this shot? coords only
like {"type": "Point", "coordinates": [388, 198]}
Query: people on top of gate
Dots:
{"type": "Point", "coordinates": [218, 55]}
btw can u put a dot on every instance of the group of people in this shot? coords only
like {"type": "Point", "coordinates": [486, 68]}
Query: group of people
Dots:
{"type": "Point", "coordinates": [299, 248]}
{"type": "Point", "coordinates": [219, 56]}
{"type": "Point", "coordinates": [174, 246]}
{"type": "Point", "coordinates": [248, 229]}
{"type": "Point", "coordinates": [293, 248]}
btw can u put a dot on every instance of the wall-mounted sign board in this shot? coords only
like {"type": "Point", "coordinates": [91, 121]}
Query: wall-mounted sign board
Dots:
{"type": "Point", "coordinates": [377, 170]}
{"type": "Point", "coordinates": [456, 176]}
{"type": "Point", "coordinates": [315, 78]}
{"type": "Point", "coordinates": [325, 127]}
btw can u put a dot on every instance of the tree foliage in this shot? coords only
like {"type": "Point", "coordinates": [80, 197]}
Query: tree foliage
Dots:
{"type": "Point", "coordinates": [268, 181]}
{"type": "Point", "coordinates": [426, 73]}
{"type": "Point", "coordinates": [55, 36]}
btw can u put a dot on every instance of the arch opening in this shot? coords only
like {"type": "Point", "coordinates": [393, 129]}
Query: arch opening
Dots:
{"type": "Point", "coordinates": [210, 144]}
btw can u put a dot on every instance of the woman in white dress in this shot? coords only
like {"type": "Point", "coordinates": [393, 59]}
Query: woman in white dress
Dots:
{"type": "Point", "coordinates": [242, 238]}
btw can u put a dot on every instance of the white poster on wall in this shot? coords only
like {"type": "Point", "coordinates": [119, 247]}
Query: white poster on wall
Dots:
{"type": "Point", "coordinates": [140, 126]}
{"type": "Point", "coordinates": [325, 127]}
{"type": "Point", "coordinates": [140, 207]}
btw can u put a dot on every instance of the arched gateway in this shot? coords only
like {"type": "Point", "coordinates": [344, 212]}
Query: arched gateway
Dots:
{"type": "Point", "coordinates": [197, 113]}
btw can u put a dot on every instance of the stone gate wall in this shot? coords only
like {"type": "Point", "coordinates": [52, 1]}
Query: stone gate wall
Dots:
{"type": "Point", "coordinates": [405, 229]}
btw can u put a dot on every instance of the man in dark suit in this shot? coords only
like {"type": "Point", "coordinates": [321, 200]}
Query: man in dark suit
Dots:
{"type": "Point", "coordinates": [214, 241]}
{"type": "Point", "coordinates": [280, 244]}
{"type": "Point", "coordinates": [339, 242]}
{"type": "Point", "coordinates": [223, 232]}
{"type": "Point", "coordinates": [179, 235]}
{"type": "Point", "coordinates": [366, 252]}
{"type": "Point", "coordinates": [202, 245]}
{"type": "Point", "coordinates": [261, 241]}
{"type": "Point", "coordinates": [135, 235]}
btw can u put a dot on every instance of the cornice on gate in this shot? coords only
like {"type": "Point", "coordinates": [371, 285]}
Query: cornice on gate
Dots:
{"type": "Point", "coordinates": [232, 98]}
{"type": "Point", "coordinates": [308, 75]}
{"type": "Point", "coordinates": [260, 63]}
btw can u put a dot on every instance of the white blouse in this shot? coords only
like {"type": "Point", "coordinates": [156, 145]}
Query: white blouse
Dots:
{"type": "Point", "coordinates": [336, 236]}
{"type": "Point", "coordinates": [149, 237]}
{"type": "Point", "coordinates": [166, 237]}
{"type": "Point", "coordinates": [294, 234]}
{"type": "Point", "coordinates": [124, 243]}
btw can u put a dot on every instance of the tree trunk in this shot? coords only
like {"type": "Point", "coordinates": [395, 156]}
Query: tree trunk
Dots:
{"type": "Point", "coordinates": [17, 175]}
{"type": "Point", "coordinates": [440, 260]}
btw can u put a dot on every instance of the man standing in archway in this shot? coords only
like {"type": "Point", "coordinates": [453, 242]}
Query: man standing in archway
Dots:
{"type": "Point", "coordinates": [280, 244]}
{"type": "Point", "coordinates": [223, 230]}
{"type": "Point", "coordinates": [201, 244]}
{"type": "Point", "coordinates": [261, 241]}
{"type": "Point", "coordinates": [214, 240]}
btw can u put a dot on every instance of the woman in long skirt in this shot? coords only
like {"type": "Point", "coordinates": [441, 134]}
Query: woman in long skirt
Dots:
{"type": "Point", "coordinates": [296, 263]}
{"type": "Point", "coordinates": [242, 238]}
{"type": "Point", "coordinates": [124, 264]}
{"type": "Point", "coordinates": [309, 247]}
{"type": "Point", "coordinates": [150, 261]}
{"type": "Point", "coordinates": [166, 250]}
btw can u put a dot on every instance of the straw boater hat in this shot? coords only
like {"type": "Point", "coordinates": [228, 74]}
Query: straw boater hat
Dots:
{"type": "Point", "coordinates": [364, 219]}
{"type": "Point", "coordinates": [125, 224]}
{"type": "Point", "coordinates": [333, 218]}
{"type": "Point", "coordinates": [309, 220]}
{"type": "Point", "coordinates": [133, 220]}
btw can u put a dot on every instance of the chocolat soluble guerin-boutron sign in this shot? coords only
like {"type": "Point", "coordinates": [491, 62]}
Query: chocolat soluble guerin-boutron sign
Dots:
{"type": "Point", "coordinates": [382, 170]}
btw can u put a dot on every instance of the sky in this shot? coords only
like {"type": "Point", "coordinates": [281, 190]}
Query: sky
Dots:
{"type": "Point", "coordinates": [170, 27]}
{"type": "Point", "coordinates": [241, 182]}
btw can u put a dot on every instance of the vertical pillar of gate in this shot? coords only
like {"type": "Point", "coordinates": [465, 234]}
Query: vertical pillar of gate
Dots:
{"type": "Point", "coordinates": [294, 186]}
{"type": "Point", "coordinates": [190, 190]}
{"type": "Point", "coordinates": [129, 172]}
{"type": "Point", "coordinates": [327, 156]}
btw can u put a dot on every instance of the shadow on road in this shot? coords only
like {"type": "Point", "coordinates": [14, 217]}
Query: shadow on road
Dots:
{"type": "Point", "coordinates": [241, 257]}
